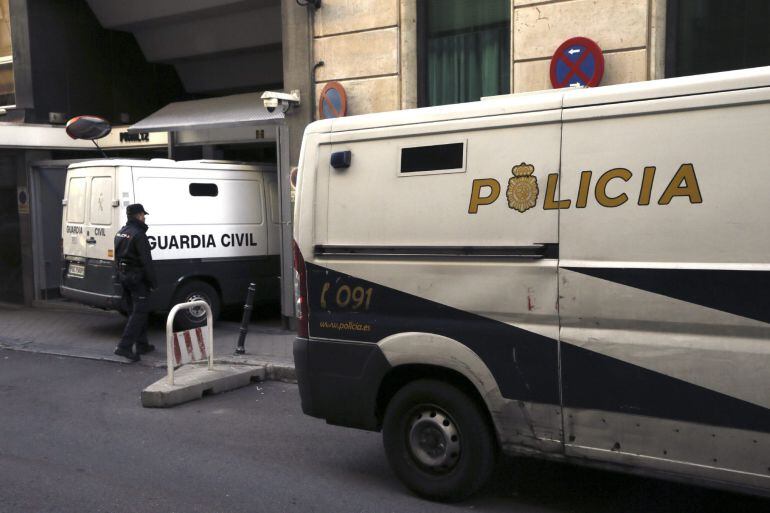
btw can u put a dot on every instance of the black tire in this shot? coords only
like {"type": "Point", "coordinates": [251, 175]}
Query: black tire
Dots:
{"type": "Point", "coordinates": [190, 291]}
{"type": "Point", "coordinates": [409, 428]}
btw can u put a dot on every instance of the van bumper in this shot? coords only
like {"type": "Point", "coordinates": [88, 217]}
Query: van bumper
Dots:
{"type": "Point", "coordinates": [339, 381]}
{"type": "Point", "coordinates": [105, 301]}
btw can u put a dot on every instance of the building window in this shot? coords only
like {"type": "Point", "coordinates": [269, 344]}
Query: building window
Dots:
{"type": "Point", "coordinates": [7, 89]}
{"type": "Point", "coordinates": [464, 50]}
{"type": "Point", "coordinates": [705, 36]}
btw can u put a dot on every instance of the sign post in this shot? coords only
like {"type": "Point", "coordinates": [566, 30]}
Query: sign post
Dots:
{"type": "Point", "coordinates": [577, 62]}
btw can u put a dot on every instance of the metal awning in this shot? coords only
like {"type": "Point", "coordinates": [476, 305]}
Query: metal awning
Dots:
{"type": "Point", "coordinates": [225, 111]}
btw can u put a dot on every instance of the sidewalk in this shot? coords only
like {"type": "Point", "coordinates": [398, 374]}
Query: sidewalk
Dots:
{"type": "Point", "coordinates": [68, 329]}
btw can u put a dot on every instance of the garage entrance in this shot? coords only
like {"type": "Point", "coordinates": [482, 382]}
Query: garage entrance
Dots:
{"type": "Point", "coordinates": [228, 126]}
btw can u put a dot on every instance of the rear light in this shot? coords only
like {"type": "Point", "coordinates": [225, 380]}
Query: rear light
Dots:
{"type": "Point", "coordinates": [300, 292]}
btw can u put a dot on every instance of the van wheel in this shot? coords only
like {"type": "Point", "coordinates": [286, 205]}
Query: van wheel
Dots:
{"type": "Point", "coordinates": [438, 441]}
{"type": "Point", "coordinates": [195, 317]}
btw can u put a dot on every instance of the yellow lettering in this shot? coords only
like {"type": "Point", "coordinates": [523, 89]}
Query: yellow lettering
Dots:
{"type": "Point", "coordinates": [601, 187]}
{"type": "Point", "coordinates": [477, 199]}
{"type": "Point", "coordinates": [646, 190]}
{"type": "Point", "coordinates": [324, 290]}
{"type": "Point", "coordinates": [585, 184]}
{"type": "Point", "coordinates": [686, 175]}
{"type": "Point", "coordinates": [550, 203]}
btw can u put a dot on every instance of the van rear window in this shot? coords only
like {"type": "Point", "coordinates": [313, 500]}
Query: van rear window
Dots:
{"type": "Point", "coordinates": [204, 189]}
{"type": "Point", "coordinates": [436, 157]}
{"type": "Point", "coordinates": [76, 200]}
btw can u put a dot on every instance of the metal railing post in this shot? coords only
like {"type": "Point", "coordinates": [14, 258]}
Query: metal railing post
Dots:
{"type": "Point", "coordinates": [170, 335]}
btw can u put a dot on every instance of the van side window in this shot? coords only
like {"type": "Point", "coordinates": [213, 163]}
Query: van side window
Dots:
{"type": "Point", "coordinates": [76, 200]}
{"type": "Point", "coordinates": [204, 189]}
{"type": "Point", "coordinates": [436, 157]}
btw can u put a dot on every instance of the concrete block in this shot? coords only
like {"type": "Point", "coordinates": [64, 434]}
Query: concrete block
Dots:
{"type": "Point", "coordinates": [362, 54]}
{"type": "Point", "coordinates": [191, 382]}
{"type": "Point", "coordinates": [619, 68]}
{"type": "Point", "coordinates": [538, 30]}
{"type": "Point", "coordinates": [531, 76]}
{"type": "Point", "coordinates": [338, 16]}
{"type": "Point", "coordinates": [369, 95]}
{"type": "Point", "coordinates": [624, 67]}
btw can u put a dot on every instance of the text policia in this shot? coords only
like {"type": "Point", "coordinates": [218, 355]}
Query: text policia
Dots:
{"type": "Point", "coordinates": [523, 189]}
{"type": "Point", "coordinates": [194, 241]}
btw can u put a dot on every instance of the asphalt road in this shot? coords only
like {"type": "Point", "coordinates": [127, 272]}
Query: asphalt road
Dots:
{"type": "Point", "coordinates": [74, 438]}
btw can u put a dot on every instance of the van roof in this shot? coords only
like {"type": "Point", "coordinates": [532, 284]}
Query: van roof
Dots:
{"type": "Point", "coordinates": [554, 99]}
{"type": "Point", "coordinates": [178, 164]}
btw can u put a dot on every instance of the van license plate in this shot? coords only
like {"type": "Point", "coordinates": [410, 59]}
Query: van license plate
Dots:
{"type": "Point", "coordinates": [77, 270]}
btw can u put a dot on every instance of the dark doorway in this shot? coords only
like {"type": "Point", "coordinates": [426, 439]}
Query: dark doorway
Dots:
{"type": "Point", "coordinates": [10, 247]}
{"type": "Point", "coordinates": [47, 191]}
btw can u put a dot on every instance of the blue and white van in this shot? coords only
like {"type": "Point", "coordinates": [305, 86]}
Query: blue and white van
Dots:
{"type": "Point", "coordinates": [579, 275]}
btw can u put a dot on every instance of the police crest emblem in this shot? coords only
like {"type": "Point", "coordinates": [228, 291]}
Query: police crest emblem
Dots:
{"type": "Point", "coordinates": [522, 188]}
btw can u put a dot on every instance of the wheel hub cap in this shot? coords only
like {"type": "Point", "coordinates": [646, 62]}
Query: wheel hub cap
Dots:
{"type": "Point", "coordinates": [434, 440]}
{"type": "Point", "coordinates": [196, 311]}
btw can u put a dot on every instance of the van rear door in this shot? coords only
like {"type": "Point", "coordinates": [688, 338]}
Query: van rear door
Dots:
{"type": "Point", "coordinates": [90, 222]}
{"type": "Point", "coordinates": [102, 218]}
{"type": "Point", "coordinates": [74, 218]}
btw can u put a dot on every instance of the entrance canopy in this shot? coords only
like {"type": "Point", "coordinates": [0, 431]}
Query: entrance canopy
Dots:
{"type": "Point", "coordinates": [222, 112]}
{"type": "Point", "coordinates": [210, 115]}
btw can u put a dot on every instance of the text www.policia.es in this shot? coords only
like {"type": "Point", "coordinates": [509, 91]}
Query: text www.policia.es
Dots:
{"type": "Point", "coordinates": [346, 326]}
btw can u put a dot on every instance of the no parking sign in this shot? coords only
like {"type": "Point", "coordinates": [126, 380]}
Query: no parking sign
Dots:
{"type": "Point", "coordinates": [333, 101]}
{"type": "Point", "coordinates": [577, 62]}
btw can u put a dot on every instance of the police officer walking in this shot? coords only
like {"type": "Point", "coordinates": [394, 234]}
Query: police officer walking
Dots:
{"type": "Point", "coordinates": [137, 276]}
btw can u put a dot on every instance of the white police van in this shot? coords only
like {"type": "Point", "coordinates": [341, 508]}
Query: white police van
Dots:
{"type": "Point", "coordinates": [577, 275]}
{"type": "Point", "coordinates": [213, 228]}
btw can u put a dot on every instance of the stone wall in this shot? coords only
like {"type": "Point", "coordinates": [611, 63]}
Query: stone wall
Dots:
{"type": "Point", "coordinates": [359, 44]}
{"type": "Point", "coordinates": [370, 46]}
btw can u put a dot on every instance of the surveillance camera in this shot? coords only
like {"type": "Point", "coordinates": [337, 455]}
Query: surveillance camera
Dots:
{"type": "Point", "coordinates": [271, 103]}
{"type": "Point", "coordinates": [272, 100]}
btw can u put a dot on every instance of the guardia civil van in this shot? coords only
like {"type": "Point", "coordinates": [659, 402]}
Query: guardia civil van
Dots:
{"type": "Point", "coordinates": [213, 229]}
{"type": "Point", "coordinates": [579, 275]}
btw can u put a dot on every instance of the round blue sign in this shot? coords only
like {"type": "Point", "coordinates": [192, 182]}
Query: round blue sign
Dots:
{"type": "Point", "coordinates": [332, 102]}
{"type": "Point", "coordinates": [577, 62]}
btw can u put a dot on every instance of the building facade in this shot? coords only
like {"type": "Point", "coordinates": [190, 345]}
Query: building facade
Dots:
{"type": "Point", "coordinates": [126, 60]}
{"type": "Point", "coordinates": [397, 54]}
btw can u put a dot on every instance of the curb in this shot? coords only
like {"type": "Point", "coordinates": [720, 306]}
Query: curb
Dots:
{"type": "Point", "coordinates": [274, 371]}
{"type": "Point", "coordinates": [277, 372]}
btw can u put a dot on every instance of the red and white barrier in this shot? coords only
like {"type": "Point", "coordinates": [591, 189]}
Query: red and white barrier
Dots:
{"type": "Point", "coordinates": [191, 345]}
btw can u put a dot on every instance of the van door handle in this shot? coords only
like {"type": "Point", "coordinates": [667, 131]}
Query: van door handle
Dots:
{"type": "Point", "coordinates": [91, 240]}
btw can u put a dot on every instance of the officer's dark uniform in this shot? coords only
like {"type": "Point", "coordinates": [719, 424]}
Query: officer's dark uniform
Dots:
{"type": "Point", "coordinates": [137, 276]}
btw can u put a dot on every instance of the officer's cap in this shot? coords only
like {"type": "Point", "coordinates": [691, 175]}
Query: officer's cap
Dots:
{"type": "Point", "coordinates": [134, 209]}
